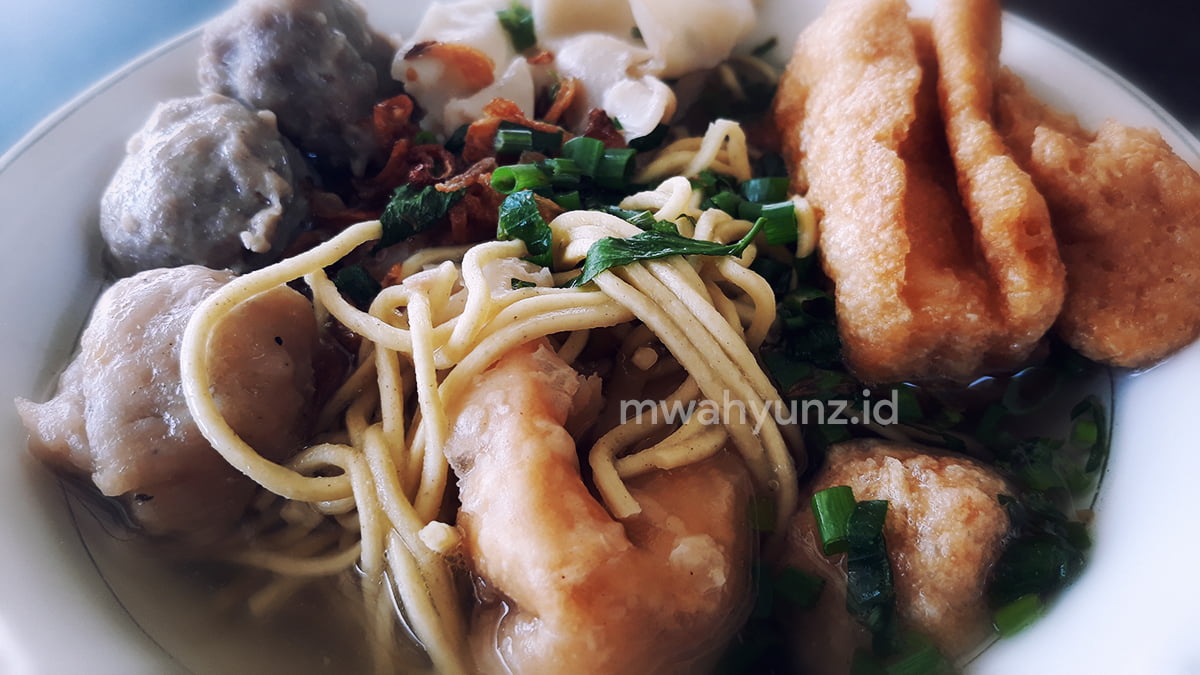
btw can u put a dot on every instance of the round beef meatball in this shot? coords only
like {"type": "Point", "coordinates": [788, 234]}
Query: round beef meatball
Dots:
{"type": "Point", "coordinates": [206, 181]}
{"type": "Point", "coordinates": [314, 63]}
{"type": "Point", "coordinates": [120, 415]}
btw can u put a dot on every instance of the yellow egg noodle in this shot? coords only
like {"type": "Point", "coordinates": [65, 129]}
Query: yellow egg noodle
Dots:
{"type": "Point", "coordinates": [379, 471]}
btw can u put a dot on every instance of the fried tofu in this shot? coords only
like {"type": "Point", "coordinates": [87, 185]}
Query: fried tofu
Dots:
{"type": "Point", "coordinates": [945, 529]}
{"type": "Point", "coordinates": [922, 285]}
{"type": "Point", "coordinates": [1009, 215]}
{"type": "Point", "coordinates": [1126, 212]}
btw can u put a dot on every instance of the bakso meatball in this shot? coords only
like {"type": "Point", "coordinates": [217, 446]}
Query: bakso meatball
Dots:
{"type": "Point", "coordinates": [945, 528]}
{"type": "Point", "coordinates": [314, 63]}
{"type": "Point", "coordinates": [206, 181]}
{"type": "Point", "coordinates": [120, 416]}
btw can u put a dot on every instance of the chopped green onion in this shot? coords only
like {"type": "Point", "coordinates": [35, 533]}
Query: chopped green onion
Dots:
{"type": "Point", "coordinates": [540, 140]}
{"type": "Point", "coordinates": [517, 177]}
{"type": "Point", "coordinates": [799, 588]}
{"type": "Point", "coordinates": [1034, 564]}
{"type": "Point", "coordinates": [410, 211]}
{"type": "Point", "coordinates": [569, 201]}
{"type": "Point", "coordinates": [831, 508]}
{"type": "Point", "coordinates": [765, 48]}
{"type": "Point", "coordinates": [424, 138]}
{"type": "Point", "coordinates": [1017, 615]}
{"type": "Point", "coordinates": [563, 172]}
{"type": "Point", "coordinates": [357, 285]}
{"type": "Point", "coordinates": [458, 139]}
{"type": "Point", "coordinates": [586, 152]}
{"type": "Point", "coordinates": [518, 284]}
{"type": "Point", "coordinates": [749, 210]}
{"type": "Point", "coordinates": [908, 406]}
{"type": "Point", "coordinates": [614, 168]}
{"type": "Point", "coordinates": [920, 657]}
{"type": "Point", "coordinates": [782, 227]}
{"type": "Point", "coordinates": [762, 514]}
{"type": "Point", "coordinates": [785, 370]}
{"type": "Point", "coordinates": [521, 219]}
{"type": "Point", "coordinates": [727, 201]}
{"type": "Point", "coordinates": [1029, 389]}
{"type": "Point", "coordinates": [710, 183]}
{"type": "Point", "coordinates": [652, 245]}
{"type": "Point", "coordinates": [772, 164]}
{"type": "Point", "coordinates": [765, 190]}
{"type": "Point", "coordinates": [513, 141]}
{"type": "Point", "coordinates": [870, 596]}
{"type": "Point", "coordinates": [517, 21]}
{"type": "Point", "coordinates": [651, 140]}
{"type": "Point", "coordinates": [866, 663]}
{"type": "Point", "coordinates": [1084, 433]}
{"type": "Point", "coordinates": [1091, 410]}
{"type": "Point", "coordinates": [777, 274]}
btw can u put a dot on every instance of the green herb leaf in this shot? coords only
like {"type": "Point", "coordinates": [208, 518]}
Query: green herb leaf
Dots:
{"type": "Point", "coordinates": [766, 47]}
{"type": "Point", "coordinates": [651, 140]}
{"type": "Point", "coordinates": [652, 245]}
{"type": "Point", "coordinates": [517, 21]}
{"type": "Point", "coordinates": [870, 595]}
{"type": "Point", "coordinates": [1090, 423]}
{"type": "Point", "coordinates": [411, 211]}
{"type": "Point", "coordinates": [520, 219]}
{"type": "Point", "coordinates": [1017, 615]}
{"type": "Point", "coordinates": [518, 284]}
{"type": "Point", "coordinates": [1046, 553]}
{"type": "Point", "coordinates": [357, 285]}
{"type": "Point", "coordinates": [800, 589]}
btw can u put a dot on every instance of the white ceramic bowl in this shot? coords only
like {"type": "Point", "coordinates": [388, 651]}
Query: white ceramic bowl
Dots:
{"type": "Point", "coordinates": [1132, 611]}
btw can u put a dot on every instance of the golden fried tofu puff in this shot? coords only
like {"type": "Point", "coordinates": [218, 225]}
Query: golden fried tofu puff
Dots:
{"type": "Point", "coordinates": [927, 284]}
{"type": "Point", "coordinates": [945, 530]}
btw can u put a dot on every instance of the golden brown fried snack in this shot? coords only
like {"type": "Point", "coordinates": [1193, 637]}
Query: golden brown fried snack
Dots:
{"type": "Point", "coordinates": [1126, 213]}
{"type": "Point", "coordinates": [1010, 216]}
{"type": "Point", "coordinates": [858, 114]}
{"type": "Point", "coordinates": [945, 530]}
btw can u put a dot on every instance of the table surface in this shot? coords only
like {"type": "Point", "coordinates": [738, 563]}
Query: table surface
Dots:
{"type": "Point", "coordinates": [51, 50]}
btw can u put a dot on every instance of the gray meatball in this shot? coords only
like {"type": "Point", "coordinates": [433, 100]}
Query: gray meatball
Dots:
{"type": "Point", "coordinates": [206, 181]}
{"type": "Point", "coordinates": [314, 63]}
{"type": "Point", "coordinates": [120, 416]}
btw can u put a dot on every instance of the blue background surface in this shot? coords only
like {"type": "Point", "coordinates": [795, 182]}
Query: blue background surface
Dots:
{"type": "Point", "coordinates": [51, 50]}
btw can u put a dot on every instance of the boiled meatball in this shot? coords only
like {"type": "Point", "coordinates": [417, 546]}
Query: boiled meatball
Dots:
{"type": "Point", "coordinates": [314, 63]}
{"type": "Point", "coordinates": [207, 182]}
{"type": "Point", "coordinates": [120, 416]}
{"type": "Point", "coordinates": [945, 529]}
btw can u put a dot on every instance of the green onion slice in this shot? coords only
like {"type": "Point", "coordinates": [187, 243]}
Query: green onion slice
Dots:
{"type": "Point", "coordinates": [513, 141]}
{"type": "Point", "coordinates": [517, 177]}
{"type": "Point", "coordinates": [832, 508]}
{"type": "Point", "coordinates": [1017, 615]}
{"type": "Point", "coordinates": [586, 152]}
{"type": "Point", "coordinates": [781, 227]}
{"type": "Point", "coordinates": [765, 190]}
{"type": "Point", "coordinates": [870, 595]}
{"type": "Point", "coordinates": [615, 168]}
{"type": "Point", "coordinates": [517, 21]}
